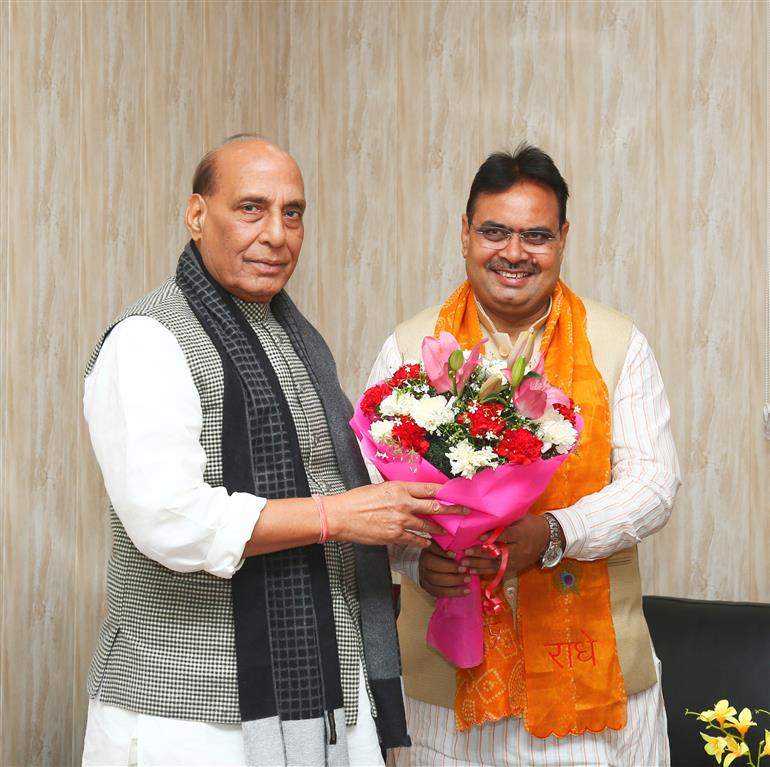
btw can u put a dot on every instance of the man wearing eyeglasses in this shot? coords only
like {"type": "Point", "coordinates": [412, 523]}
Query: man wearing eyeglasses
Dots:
{"type": "Point", "coordinates": [569, 675]}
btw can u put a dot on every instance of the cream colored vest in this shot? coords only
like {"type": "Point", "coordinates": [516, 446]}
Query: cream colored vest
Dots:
{"type": "Point", "coordinates": [430, 678]}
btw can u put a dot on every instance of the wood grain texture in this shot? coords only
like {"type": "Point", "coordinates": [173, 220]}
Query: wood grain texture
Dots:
{"type": "Point", "coordinates": [759, 448]}
{"type": "Point", "coordinates": [703, 220]}
{"type": "Point", "coordinates": [303, 121]}
{"type": "Point", "coordinates": [357, 182]}
{"type": "Point", "coordinates": [272, 56]}
{"type": "Point", "coordinates": [42, 392]}
{"type": "Point", "coordinates": [232, 81]}
{"type": "Point", "coordinates": [5, 82]}
{"type": "Point", "coordinates": [522, 85]}
{"type": "Point", "coordinates": [609, 111]}
{"type": "Point", "coordinates": [438, 150]}
{"type": "Point", "coordinates": [111, 273]}
{"type": "Point", "coordinates": [175, 113]}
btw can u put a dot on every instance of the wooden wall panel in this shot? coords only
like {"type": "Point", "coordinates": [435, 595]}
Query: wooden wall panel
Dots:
{"type": "Point", "coordinates": [175, 115]}
{"type": "Point", "coordinates": [522, 84]}
{"type": "Point", "coordinates": [610, 118]}
{"type": "Point", "coordinates": [42, 385]}
{"type": "Point", "coordinates": [357, 182]}
{"type": "Point", "coordinates": [438, 152]}
{"type": "Point", "coordinates": [5, 81]}
{"type": "Point", "coordinates": [759, 448]}
{"type": "Point", "coordinates": [232, 83]}
{"type": "Point", "coordinates": [303, 120]}
{"type": "Point", "coordinates": [273, 65]}
{"type": "Point", "coordinates": [703, 235]}
{"type": "Point", "coordinates": [111, 272]}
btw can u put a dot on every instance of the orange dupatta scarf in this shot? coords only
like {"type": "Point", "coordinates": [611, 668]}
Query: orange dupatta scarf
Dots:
{"type": "Point", "coordinates": [556, 663]}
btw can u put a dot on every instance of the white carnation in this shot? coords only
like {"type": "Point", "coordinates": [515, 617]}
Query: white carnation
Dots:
{"type": "Point", "coordinates": [556, 431]}
{"type": "Point", "coordinates": [382, 431]}
{"type": "Point", "coordinates": [432, 412]}
{"type": "Point", "coordinates": [397, 403]}
{"type": "Point", "coordinates": [465, 460]}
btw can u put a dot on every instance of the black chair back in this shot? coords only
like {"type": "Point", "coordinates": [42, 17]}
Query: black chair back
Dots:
{"type": "Point", "coordinates": [709, 650]}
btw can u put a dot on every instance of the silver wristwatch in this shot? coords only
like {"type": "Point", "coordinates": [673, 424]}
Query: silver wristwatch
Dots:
{"type": "Point", "coordinates": [554, 552]}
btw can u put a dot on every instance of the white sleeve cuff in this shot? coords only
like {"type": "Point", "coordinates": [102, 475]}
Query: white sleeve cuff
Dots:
{"type": "Point", "coordinates": [405, 560]}
{"type": "Point", "coordinates": [225, 557]}
{"type": "Point", "coordinates": [574, 529]}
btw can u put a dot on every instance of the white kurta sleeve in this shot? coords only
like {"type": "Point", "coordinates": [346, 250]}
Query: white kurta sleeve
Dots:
{"type": "Point", "coordinates": [145, 420]}
{"type": "Point", "coordinates": [645, 468]}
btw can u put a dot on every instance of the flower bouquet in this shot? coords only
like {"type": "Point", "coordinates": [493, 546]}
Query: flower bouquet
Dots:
{"type": "Point", "coordinates": [492, 433]}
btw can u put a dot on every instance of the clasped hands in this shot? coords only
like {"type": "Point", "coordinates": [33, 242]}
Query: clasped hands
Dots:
{"type": "Point", "coordinates": [443, 574]}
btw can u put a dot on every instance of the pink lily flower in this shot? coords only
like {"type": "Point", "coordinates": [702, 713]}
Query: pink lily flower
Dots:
{"type": "Point", "coordinates": [436, 355]}
{"type": "Point", "coordinates": [534, 395]}
{"type": "Point", "coordinates": [530, 398]}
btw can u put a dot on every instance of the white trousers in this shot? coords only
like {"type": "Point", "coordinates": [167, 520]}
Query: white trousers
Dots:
{"type": "Point", "coordinates": [116, 737]}
{"type": "Point", "coordinates": [643, 742]}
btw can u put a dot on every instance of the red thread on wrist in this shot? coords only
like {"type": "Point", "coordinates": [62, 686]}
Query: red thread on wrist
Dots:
{"type": "Point", "coordinates": [319, 503]}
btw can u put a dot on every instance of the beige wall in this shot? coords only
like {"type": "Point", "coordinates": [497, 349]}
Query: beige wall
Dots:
{"type": "Point", "coordinates": [656, 113]}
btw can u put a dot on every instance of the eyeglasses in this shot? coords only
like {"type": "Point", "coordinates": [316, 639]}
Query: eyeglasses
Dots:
{"type": "Point", "coordinates": [531, 240]}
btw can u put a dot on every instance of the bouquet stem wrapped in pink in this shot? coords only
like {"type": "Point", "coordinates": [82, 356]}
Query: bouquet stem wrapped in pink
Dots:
{"type": "Point", "coordinates": [499, 441]}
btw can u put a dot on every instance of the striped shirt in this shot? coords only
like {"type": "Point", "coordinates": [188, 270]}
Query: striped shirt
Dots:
{"type": "Point", "coordinates": [637, 503]}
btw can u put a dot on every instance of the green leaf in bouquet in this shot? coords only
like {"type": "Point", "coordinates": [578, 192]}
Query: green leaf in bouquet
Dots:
{"type": "Point", "coordinates": [436, 456]}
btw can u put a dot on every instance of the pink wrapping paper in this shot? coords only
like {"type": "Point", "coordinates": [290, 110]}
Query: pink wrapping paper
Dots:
{"type": "Point", "coordinates": [497, 498]}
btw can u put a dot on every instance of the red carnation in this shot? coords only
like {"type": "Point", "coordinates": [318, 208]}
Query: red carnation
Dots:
{"type": "Point", "coordinates": [405, 373]}
{"type": "Point", "coordinates": [485, 419]}
{"type": "Point", "coordinates": [566, 412]}
{"type": "Point", "coordinates": [410, 436]}
{"type": "Point", "coordinates": [372, 399]}
{"type": "Point", "coordinates": [519, 446]}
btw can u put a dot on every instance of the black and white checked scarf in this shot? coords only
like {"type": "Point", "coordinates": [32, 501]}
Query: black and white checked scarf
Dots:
{"type": "Point", "coordinates": [288, 671]}
{"type": "Point", "coordinates": [324, 478]}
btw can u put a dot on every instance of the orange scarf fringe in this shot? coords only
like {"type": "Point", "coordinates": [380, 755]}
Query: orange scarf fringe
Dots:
{"type": "Point", "coordinates": [556, 664]}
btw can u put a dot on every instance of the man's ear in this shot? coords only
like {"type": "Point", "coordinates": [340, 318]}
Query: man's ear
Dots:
{"type": "Point", "coordinates": [563, 239]}
{"type": "Point", "coordinates": [465, 235]}
{"type": "Point", "coordinates": [195, 216]}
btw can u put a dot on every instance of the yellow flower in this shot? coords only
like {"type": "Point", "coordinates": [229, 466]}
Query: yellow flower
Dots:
{"type": "Point", "coordinates": [743, 722]}
{"type": "Point", "coordinates": [715, 745]}
{"type": "Point", "coordinates": [720, 712]}
{"type": "Point", "coordinates": [736, 749]}
{"type": "Point", "coordinates": [765, 744]}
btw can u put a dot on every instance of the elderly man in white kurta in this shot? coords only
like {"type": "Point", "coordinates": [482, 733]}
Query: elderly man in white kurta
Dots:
{"type": "Point", "coordinates": [550, 691]}
{"type": "Point", "coordinates": [249, 614]}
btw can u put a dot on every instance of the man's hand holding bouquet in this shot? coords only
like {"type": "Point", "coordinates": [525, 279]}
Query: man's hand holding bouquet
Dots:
{"type": "Point", "coordinates": [492, 434]}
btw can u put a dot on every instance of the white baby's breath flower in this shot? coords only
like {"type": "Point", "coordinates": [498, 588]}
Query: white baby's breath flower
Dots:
{"type": "Point", "coordinates": [397, 403]}
{"type": "Point", "coordinates": [381, 431]}
{"type": "Point", "coordinates": [432, 412]}
{"type": "Point", "coordinates": [465, 460]}
{"type": "Point", "coordinates": [492, 365]}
